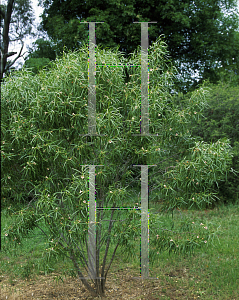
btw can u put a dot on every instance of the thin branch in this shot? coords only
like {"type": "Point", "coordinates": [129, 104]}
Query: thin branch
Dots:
{"type": "Point", "coordinates": [64, 248]}
{"type": "Point", "coordinates": [10, 54]}
{"type": "Point", "coordinates": [111, 260]}
{"type": "Point", "coordinates": [14, 40]}
{"type": "Point", "coordinates": [69, 248]}
{"type": "Point", "coordinates": [42, 230]}
{"type": "Point", "coordinates": [98, 242]}
{"type": "Point", "coordinates": [19, 55]}
{"type": "Point", "coordinates": [106, 253]}
{"type": "Point", "coordinates": [86, 284]}
{"type": "Point", "coordinates": [72, 257]}
{"type": "Point", "coordinates": [107, 249]}
{"type": "Point", "coordinates": [81, 251]}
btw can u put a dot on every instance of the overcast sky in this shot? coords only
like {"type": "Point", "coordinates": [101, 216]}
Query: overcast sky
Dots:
{"type": "Point", "coordinates": [27, 41]}
{"type": "Point", "coordinates": [16, 46]}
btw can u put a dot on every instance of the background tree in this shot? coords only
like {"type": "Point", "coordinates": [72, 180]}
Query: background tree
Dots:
{"type": "Point", "coordinates": [42, 154]}
{"type": "Point", "coordinates": [221, 120]}
{"type": "Point", "coordinates": [40, 55]}
{"type": "Point", "coordinates": [229, 70]}
{"type": "Point", "coordinates": [16, 22]}
{"type": "Point", "coordinates": [200, 34]}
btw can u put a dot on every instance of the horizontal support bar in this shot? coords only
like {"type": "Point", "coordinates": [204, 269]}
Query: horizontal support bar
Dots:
{"type": "Point", "coordinates": [111, 208]}
{"type": "Point", "coordinates": [123, 65]}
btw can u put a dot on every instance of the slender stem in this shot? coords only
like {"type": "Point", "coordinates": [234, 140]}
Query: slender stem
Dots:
{"type": "Point", "coordinates": [98, 242]}
{"type": "Point", "coordinates": [84, 281]}
{"type": "Point", "coordinates": [80, 251]}
{"type": "Point", "coordinates": [111, 259]}
{"type": "Point", "coordinates": [41, 230]}
{"type": "Point", "coordinates": [106, 252]}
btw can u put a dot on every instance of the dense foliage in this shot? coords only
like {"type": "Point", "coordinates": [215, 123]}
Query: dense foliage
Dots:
{"type": "Point", "coordinates": [221, 120]}
{"type": "Point", "coordinates": [43, 152]}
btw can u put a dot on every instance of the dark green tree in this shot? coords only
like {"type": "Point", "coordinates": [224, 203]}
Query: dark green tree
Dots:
{"type": "Point", "coordinates": [200, 34]}
{"type": "Point", "coordinates": [228, 72]}
{"type": "Point", "coordinates": [40, 55]}
{"type": "Point", "coordinates": [42, 48]}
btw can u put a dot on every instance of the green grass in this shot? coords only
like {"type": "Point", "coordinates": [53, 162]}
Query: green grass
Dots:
{"type": "Point", "coordinates": [211, 273]}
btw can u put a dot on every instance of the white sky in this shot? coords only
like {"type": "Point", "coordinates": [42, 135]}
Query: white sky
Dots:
{"type": "Point", "coordinates": [27, 41]}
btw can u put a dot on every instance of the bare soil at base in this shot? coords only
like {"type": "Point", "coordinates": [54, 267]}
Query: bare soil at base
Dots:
{"type": "Point", "coordinates": [119, 285]}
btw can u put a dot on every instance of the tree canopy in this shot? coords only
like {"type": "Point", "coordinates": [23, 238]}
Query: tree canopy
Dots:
{"type": "Point", "coordinates": [200, 34]}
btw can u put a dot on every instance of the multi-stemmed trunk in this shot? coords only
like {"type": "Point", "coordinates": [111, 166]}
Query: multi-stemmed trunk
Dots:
{"type": "Point", "coordinates": [97, 287]}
